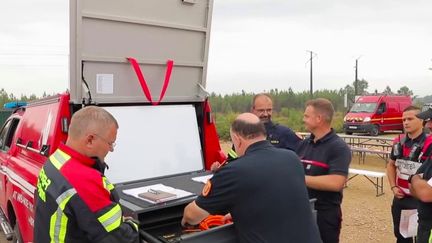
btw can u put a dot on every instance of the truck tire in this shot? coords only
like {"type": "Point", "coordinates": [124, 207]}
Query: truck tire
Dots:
{"type": "Point", "coordinates": [375, 131]}
{"type": "Point", "coordinates": [17, 236]}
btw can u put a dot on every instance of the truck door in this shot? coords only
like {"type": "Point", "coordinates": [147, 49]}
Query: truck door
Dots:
{"type": "Point", "coordinates": [382, 116]}
{"type": "Point", "coordinates": [6, 137]}
{"type": "Point", "coordinates": [4, 157]}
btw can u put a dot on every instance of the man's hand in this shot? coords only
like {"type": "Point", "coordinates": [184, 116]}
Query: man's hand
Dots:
{"type": "Point", "coordinates": [397, 192]}
{"type": "Point", "coordinates": [227, 218]}
{"type": "Point", "coordinates": [215, 166]}
{"type": "Point", "coordinates": [193, 214]}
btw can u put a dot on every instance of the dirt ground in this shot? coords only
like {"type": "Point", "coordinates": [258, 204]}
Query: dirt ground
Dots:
{"type": "Point", "coordinates": [366, 218]}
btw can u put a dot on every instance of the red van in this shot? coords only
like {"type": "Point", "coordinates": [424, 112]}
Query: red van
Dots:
{"type": "Point", "coordinates": [376, 114]}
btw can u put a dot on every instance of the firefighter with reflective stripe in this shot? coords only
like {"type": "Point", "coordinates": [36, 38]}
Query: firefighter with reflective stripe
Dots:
{"type": "Point", "coordinates": [75, 202]}
{"type": "Point", "coordinates": [326, 158]}
{"type": "Point", "coordinates": [407, 155]}
{"type": "Point", "coordinates": [421, 188]}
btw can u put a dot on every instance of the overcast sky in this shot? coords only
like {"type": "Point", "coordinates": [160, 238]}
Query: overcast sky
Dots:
{"type": "Point", "coordinates": [255, 45]}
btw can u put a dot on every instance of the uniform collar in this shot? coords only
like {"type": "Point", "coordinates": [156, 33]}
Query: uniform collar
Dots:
{"type": "Point", "coordinates": [326, 137]}
{"type": "Point", "coordinates": [419, 138]}
{"type": "Point", "coordinates": [76, 155]}
{"type": "Point", "coordinates": [269, 125]}
{"type": "Point", "coordinates": [258, 145]}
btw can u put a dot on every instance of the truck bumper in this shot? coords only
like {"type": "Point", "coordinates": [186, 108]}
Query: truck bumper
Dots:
{"type": "Point", "coordinates": [357, 127]}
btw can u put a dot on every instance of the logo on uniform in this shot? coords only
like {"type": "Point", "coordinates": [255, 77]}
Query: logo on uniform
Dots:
{"type": "Point", "coordinates": [207, 188]}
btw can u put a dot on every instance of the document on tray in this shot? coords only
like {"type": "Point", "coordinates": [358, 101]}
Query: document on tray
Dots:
{"type": "Point", "coordinates": [157, 193]}
{"type": "Point", "coordinates": [203, 179]}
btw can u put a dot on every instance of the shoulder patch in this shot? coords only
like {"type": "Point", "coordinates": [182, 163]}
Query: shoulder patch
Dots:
{"type": "Point", "coordinates": [207, 188]}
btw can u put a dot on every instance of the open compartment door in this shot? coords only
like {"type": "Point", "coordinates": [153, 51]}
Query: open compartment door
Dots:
{"type": "Point", "coordinates": [103, 33]}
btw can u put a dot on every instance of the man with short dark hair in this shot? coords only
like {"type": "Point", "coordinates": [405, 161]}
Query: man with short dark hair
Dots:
{"type": "Point", "coordinates": [326, 158]}
{"type": "Point", "coordinates": [74, 200]}
{"type": "Point", "coordinates": [264, 190]}
{"type": "Point", "coordinates": [421, 188]}
{"type": "Point", "coordinates": [407, 155]}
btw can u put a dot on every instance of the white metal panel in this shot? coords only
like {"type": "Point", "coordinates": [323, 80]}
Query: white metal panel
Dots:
{"type": "Point", "coordinates": [154, 141]}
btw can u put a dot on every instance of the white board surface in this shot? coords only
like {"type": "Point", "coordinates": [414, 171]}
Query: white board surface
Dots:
{"type": "Point", "coordinates": [154, 141]}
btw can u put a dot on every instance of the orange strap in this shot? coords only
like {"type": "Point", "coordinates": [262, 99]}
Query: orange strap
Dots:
{"type": "Point", "coordinates": [213, 221]}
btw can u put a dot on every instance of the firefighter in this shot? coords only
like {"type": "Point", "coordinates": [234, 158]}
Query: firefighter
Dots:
{"type": "Point", "coordinates": [407, 156]}
{"type": "Point", "coordinates": [264, 190]}
{"type": "Point", "coordinates": [326, 158]}
{"type": "Point", "coordinates": [74, 200]}
{"type": "Point", "coordinates": [278, 135]}
{"type": "Point", "coordinates": [421, 188]}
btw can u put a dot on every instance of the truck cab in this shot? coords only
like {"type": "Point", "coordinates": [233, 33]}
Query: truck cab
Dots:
{"type": "Point", "coordinates": [376, 114]}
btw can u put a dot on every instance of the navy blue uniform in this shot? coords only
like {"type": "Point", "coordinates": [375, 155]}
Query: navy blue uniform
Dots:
{"type": "Point", "coordinates": [265, 192]}
{"type": "Point", "coordinates": [278, 135]}
{"type": "Point", "coordinates": [329, 155]}
{"type": "Point", "coordinates": [281, 136]}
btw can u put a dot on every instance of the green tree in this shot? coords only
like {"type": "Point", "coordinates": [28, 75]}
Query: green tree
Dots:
{"type": "Point", "coordinates": [388, 91]}
{"type": "Point", "coordinates": [404, 90]}
{"type": "Point", "coordinates": [362, 86]}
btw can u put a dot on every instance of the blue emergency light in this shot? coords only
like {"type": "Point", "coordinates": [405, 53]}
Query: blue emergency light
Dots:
{"type": "Point", "coordinates": [14, 104]}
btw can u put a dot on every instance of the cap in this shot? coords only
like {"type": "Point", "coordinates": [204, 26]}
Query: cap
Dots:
{"type": "Point", "coordinates": [425, 115]}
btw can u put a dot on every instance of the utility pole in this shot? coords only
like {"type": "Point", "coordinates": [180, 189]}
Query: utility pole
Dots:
{"type": "Point", "coordinates": [311, 72]}
{"type": "Point", "coordinates": [356, 78]}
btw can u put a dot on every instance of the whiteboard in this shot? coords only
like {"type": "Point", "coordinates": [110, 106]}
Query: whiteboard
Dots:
{"type": "Point", "coordinates": [154, 141]}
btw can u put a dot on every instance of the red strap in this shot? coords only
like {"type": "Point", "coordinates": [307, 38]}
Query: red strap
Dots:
{"type": "Point", "coordinates": [144, 86]}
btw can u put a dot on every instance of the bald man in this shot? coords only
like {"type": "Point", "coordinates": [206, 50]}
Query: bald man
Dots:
{"type": "Point", "coordinates": [265, 196]}
{"type": "Point", "coordinates": [74, 200]}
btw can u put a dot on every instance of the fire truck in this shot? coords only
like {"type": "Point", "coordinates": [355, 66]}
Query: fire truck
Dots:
{"type": "Point", "coordinates": [146, 63]}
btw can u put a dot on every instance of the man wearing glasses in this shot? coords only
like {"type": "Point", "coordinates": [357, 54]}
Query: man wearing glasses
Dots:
{"type": "Point", "coordinates": [74, 200]}
{"type": "Point", "coordinates": [278, 135]}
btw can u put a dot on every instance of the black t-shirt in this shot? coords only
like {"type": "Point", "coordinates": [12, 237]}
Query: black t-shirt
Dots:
{"type": "Point", "coordinates": [425, 209]}
{"type": "Point", "coordinates": [329, 155]}
{"type": "Point", "coordinates": [265, 192]}
{"type": "Point", "coordinates": [281, 136]}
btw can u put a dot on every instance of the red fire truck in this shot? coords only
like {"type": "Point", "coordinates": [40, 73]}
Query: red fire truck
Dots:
{"type": "Point", "coordinates": [121, 53]}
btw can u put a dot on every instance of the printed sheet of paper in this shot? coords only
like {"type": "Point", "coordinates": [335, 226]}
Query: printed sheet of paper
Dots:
{"type": "Point", "coordinates": [202, 179]}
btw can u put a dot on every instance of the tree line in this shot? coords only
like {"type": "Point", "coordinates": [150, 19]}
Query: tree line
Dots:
{"type": "Point", "coordinates": [288, 106]}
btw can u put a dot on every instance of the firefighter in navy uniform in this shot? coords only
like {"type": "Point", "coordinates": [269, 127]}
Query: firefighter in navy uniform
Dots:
{"type": "Point", "coordinates": [326, 158]}
{"type": "Point", "coordinates": [421, 188]}
{"type": "Point", "coordinates": [263, 190]}
{"type": "Point", "coordinates": [407, 155]}
{"type": "Point", "coordinates": [74, 200]}
{"type": "Point", "coordinates": [278, 135]}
